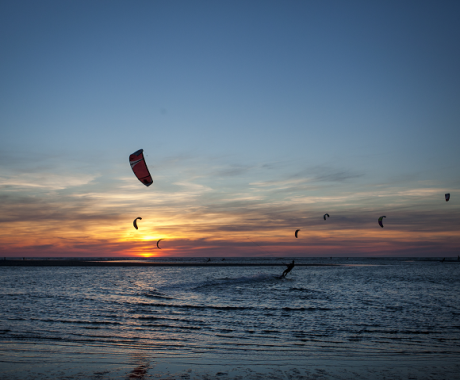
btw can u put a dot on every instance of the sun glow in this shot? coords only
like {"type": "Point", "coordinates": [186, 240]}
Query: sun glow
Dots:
{"type": "Point", "coordinates": [149, 238]}
{"type": "Point", "coordinates": [147, 254]}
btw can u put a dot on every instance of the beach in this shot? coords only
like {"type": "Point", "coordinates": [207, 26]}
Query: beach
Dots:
{"type": "Point", "coordinates": [58, 361]}
{"type": "Point", "coordinates": [356, 319]}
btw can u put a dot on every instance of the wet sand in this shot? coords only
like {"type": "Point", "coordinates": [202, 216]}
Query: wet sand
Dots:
{"type": "Point", "coordinates": [42, 351]}
{"type": "Point", "coordinates": [23, 360]}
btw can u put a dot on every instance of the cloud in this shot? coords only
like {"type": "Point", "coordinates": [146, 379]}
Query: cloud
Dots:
{"type": "Point", "coordinates": [44, 181]}
{"type": "Point", "coordinates": [86, 214]}
{"type": "Point", "coordinates": [232, 171]}
{"type": "Point", "coordinates": [286, 183]}
{"type": "Point", "coordinates": [325, 174]}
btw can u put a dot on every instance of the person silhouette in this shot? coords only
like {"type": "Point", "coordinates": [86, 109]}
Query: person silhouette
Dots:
{"type": "Point", "coordinates": [288, 269]}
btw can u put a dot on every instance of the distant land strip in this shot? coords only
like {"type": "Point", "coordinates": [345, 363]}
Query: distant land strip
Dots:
{"type": "Point", "coordinates": [127, 263]}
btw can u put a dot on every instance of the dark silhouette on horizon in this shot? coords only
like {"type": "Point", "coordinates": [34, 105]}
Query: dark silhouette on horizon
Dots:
{"type": "Point", "coordinates": [288, 269]}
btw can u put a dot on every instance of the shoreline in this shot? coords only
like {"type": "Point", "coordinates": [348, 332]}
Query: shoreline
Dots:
{"type": "Point", "coordinates": [76, 361]}
{"type": "Point", "coordinates": [127, 263]}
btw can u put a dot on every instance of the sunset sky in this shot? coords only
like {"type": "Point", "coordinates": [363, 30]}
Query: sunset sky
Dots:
{"type": "Point", "coordinates": [256, 118]}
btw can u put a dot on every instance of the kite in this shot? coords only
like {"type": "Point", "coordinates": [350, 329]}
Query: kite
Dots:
{"type": "Point", "coordinates": [447, 197]}
{"type": "Point", "coordinates": [296, 232]}
{"type": "Point", "coordinates": [380, 221]}
{"type": "Point", "coordinates": [158, 242]}
{"type": "Point", "coordinates": [137, 162]}
{"type": "Point", "coordinates": [135, 222]}
{"type": "Point", "coordinates": [325, 216]}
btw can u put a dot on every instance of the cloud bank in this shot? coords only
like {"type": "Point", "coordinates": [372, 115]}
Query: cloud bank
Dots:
{"type": "Point", "coordinates": [214, 214]}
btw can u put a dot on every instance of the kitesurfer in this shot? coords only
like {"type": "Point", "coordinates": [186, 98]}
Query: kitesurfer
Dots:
{"type": "Point", "coordinates": [288, 269]}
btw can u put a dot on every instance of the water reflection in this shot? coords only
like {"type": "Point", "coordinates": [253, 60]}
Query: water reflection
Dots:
{"type": "Point", "coordinates": [142, 366]}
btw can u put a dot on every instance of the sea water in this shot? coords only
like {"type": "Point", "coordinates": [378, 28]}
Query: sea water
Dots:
{"type": "Point", "coordinates": [395, 317]}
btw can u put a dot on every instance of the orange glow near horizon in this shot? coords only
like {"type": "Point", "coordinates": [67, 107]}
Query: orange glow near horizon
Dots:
{"type": "Point", "coordinates": [110, 240]}
{"type": "Point", "coordinates": [185, 229]}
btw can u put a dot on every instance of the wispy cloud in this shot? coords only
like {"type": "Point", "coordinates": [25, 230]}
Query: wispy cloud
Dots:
{"type": "Point", "coordinates": [231, 171]}
{"type": "Point", "coordinates": [91, 215]}
{"type": "Point", "coordinates": [44, 180]}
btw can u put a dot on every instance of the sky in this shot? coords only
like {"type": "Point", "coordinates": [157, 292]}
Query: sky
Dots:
{"type": "Point", "coordinates": [256, 118]}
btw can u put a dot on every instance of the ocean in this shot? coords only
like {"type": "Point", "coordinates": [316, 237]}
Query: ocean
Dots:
{"type": "Point", "coordinates": [355, 318]}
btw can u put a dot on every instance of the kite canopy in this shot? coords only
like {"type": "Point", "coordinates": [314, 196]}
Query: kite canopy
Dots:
{"type": "Point", "coordinates": [137, 162]}
{"type": "Point", "coordinates": [325, 216]}
{"type": "Point", "coordinates": [135, 222]}
{"type": "Point", "coordinates": [447, 197]}
{"type": "Point", "coordinates": [158, 243]}
{"type": "Point", "coordinates": [380, 221]}
{"type": "Point", "coordinates": [296, 232]}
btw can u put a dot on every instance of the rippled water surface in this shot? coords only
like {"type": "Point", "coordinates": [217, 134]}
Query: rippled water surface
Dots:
{"type": "Point", "coordinates": [232, 316]}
